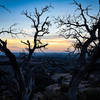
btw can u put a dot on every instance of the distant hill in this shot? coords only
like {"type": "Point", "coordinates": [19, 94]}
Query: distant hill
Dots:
{"type": "Point", "coordinates": [44, 54]}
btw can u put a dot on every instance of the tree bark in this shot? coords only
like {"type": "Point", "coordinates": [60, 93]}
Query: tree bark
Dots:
{"type": "Point", "coordinates": [16, 69]}
{"type": "Point", "coordinates": [73, 90]}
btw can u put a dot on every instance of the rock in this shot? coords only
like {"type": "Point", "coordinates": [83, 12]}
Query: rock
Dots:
{"type": "Point", "coordinates": [53, 89]}
{"type": "Point", "coordinates": [56, 92]}
{"type": "Point", "coordinates": [83, 85]}
{"type": "Point", "coordinates": [38, 96]}
{"type": "Point", "coordinates": [42, 79]}
{"type": "Point", "coordinates": [89, 94]}
{"type": "Point", "coordinates": [64, 76]}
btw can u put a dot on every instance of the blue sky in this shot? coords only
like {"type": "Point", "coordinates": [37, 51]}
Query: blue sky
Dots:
{"type": "Point", "coordinates": [61, 7]}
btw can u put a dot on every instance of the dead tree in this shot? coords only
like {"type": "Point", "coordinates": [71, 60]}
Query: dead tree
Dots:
{"type": "Point", "coordinates": [79, 28]}
{"type": "Point", "coordinates": [25, 86]}
{"type": "Point", "coordinates": [85, 29]}
{"type": "Point", "coordinates": [5, 8]}
{"type": "Point", "coordinates": [14, 63]}
{"type": "Point", "coordinates": [18, 88]}
{"type": "Point", "coordinates": [41, 28]}
{"type": "Point", "coordinates": [85, 70]}
{"type": "Point", "coordinates": [23, 91]}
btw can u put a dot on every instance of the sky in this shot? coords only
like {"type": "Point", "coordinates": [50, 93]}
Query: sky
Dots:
{"type": "Point", "coordinates": [60, 8]}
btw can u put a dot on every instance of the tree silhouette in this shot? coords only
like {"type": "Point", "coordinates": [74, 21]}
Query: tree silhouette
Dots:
{"type": "Point", "coordinates": [41, 28]}
{"type": "Point", "coordinates": [5, 8]}
{"type": "Point", "coordinates": [85, 29]}
{"type": "Point", "coordinates": [22, 87]}
{"type": "Point", "coordinates": [78, 27]}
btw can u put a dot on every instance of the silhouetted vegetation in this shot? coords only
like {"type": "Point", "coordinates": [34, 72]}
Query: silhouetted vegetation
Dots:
{"type": "Point", "coordinates": [24, 87]}
{"type": "Point", "coordinates": [53, 76]}
{"type": "Point", "coordinates": [41, 28]}
{"type": "Point", "coordinates": [83, 28]}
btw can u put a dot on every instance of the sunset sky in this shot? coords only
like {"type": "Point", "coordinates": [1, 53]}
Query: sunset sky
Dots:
{"type": "Point", "coordinates": [60, 8]}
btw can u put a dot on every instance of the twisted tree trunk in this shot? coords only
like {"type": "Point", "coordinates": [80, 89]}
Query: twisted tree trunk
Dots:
{"type": "Point", "coordinates": [24, 92]}
{"type": "Point", "coordinates": [82, 73]}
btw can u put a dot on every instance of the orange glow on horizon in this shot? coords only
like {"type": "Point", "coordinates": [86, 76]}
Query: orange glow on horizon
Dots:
{"type": "Point", "coordinates": [54, 45]}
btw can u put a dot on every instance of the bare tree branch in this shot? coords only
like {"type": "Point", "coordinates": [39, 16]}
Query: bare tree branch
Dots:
{"type": "Point", "coordinates": [41, 28]}
{"type": "Point", "coordinates": [2, 6]}
{"type": "Point", "coordinates": [77, 27]}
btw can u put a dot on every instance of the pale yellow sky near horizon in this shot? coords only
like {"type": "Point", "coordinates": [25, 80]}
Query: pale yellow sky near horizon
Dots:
{"type": "Point", "coordinates": [54, 45]}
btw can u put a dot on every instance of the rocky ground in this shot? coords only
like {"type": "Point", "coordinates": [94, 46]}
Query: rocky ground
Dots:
{"type": "Point", "coordinates": [88, 89]}
{"type": "Point", "coordinates": [52, 78]}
